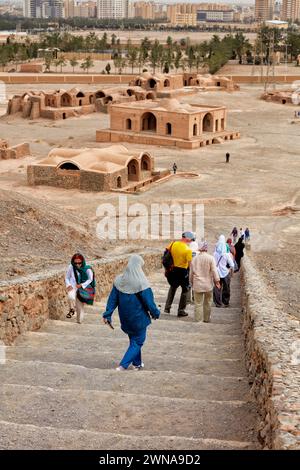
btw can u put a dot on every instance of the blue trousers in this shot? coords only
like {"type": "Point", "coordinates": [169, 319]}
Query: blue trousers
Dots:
{"type": "Point", "coordinates": [133, 354]}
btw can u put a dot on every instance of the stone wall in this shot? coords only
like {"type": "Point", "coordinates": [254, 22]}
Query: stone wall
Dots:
{"type": "Point", "coordinates": [17, 151]}
{"type": "Point", "coordinates": [26, 303]}
{"type": "Point", "coordinates": [75, 179]}
{"type": "Point", "coordinates": [77, 78]}
{"type": "Point", "coordinates": [272, 341]}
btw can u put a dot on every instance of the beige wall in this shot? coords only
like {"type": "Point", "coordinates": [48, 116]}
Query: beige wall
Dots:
{"type": "Point", "coordinates": [182, 125]}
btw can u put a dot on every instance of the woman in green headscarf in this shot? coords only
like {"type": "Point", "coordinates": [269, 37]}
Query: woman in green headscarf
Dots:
{"type": "Point", "coordinates": [80, 283]}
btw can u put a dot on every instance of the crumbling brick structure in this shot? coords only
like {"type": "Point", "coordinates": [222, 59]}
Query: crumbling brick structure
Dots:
{"type": "Point", "coordinates": [58, 104]}
{"type": "Point", "coordinates": [208, 81]}
{"type": "Point", "coordinates": [17, 151]}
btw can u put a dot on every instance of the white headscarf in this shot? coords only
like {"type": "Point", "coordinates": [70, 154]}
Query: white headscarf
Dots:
{"type": "Point", "coordinates": [133, 279]}
{"type": "Point", "coordinates": [221, 247]}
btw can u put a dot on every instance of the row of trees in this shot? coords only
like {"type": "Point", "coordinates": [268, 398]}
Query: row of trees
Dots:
{"type": "Point", "coordinates": [173, 55]}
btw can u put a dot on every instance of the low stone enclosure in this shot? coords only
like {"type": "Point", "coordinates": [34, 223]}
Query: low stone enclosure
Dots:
{"type": "Point", "coordinates": [271, 337]}
{"type": "Point", "coordinates": [167, 122]}
{"type": "Point", "coordinates": [95, 169]}
{"type": "Point", "coordinates": [17, 151]}
{"type": "Point", "coordinates": [282, 97]}
{"type": "Point", "coordinates": [164, 84]}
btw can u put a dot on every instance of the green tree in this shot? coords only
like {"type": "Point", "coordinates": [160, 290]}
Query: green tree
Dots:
{"type": "Point", "coordinates": [73, 62]}
{"type": "Point", "coordinates": [61, 62]}
{"type": "Point", "coordinates": [132, 57]}
{"type": "Point", "coordinates": [87, 64]}
{"type": "Point", "coordinates": [241, 45]}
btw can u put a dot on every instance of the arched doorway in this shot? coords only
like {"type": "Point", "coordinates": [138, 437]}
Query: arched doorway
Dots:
{"type": "Point", "coordinates": [80, 102]}
{"type": "Point", "coordinates": [119, 182]}
{"type": "Point", "coordinates": [66, 100]}
{"type": "Point", "coordinates": [133, 170]}
{"type": "Point", "coordinates": [208, 123]}
{"type": "Point", "coordinates": [64, 116]}
{"type": "Point", "coordinates": [130, 92]}
{"type": "Point", "coordinates": [69, 166]}
{"type": "Point", "coordinates": [195, 129]}
{"type": "Point", "coordinates": [166, 83]}
{"type": "Point", "coordinates": [80, 95]}
{"type": "Point", "coordinates": [148, 122]}
{"type": "Point", "coordinates": [150, 96]}
{"type": "Point", "coordinates": [99, 94]}
{"type": "Point", "coordinates": [107, 99]}
{"type": "Point", "coordinates": [168, 128]}
{"type": "Point", "coordinates": [152, 83]}
{"type": "Point", "coordinates": [128, 124]}
{"type": "Point", "coordinates": [146, 163]}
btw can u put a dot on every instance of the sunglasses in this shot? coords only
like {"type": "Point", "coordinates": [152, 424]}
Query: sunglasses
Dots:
{"type": "Point", "coordinates": [78, 264]}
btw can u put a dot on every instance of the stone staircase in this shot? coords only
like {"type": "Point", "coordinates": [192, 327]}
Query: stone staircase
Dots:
{"type": "Point", "coordinates": [59, 389]}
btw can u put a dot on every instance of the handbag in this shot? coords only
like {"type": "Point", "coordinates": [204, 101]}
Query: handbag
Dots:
{"type": "Point", "coordinates": [86, 295]}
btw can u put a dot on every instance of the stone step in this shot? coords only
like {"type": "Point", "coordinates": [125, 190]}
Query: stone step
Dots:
{"type": "Point", "coordinates": [159, 383]}
{"type": "Point", "coordinates": [200, 333]}
{"type": "Point", "coordinates": [216, 319]}
{"type": "Point", "coordinates": [122, 413]}
{"type": "Point", "coordinates": [212, 349]}
{"type": "Point", "coordinates": [15, 436]}
{"type": "Point", "coordinates": [154, 361]}
{"type": "Point", "coordinates": [168, 328]}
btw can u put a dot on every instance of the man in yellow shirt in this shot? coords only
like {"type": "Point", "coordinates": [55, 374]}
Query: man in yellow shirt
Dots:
{"type": "Point", "coordinates": [179, 274]}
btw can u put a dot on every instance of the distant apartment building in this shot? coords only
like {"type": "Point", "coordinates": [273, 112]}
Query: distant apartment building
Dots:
{"type": "Point", "coordinates": [185, 14]}
{"type": "Point", "coordinates": [112, 9]}
{"type": "Point", "coordinates": [145, 10]}
{"type": "Point", "coordinates": [43, 8]}
{"type": "Point", "coordinates": [290, 10]}
{"type": "Point", "coordinates": [218, 16]}
{"type": "Point", "coordinates": [264, 10]}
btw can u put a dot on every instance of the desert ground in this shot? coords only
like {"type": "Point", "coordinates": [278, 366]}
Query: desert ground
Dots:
{"type": "Point", "coordinates": [42, 226]}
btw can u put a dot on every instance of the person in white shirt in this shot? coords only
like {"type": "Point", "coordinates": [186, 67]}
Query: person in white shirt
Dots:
{"type": "Point", "coordinates": [85, 278]}
{"type": "Point", "coordinates": [225, 267]}
{"type": "Point", "coordinates": [203, 276]}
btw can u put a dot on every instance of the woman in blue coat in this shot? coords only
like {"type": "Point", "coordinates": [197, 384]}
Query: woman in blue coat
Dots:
{"type": "Point", "coordinates": [132, 294]}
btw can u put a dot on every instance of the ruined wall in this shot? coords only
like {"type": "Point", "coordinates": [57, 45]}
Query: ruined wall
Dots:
{"type": "Point", "coordinates": [17, 151]}
{"type": "Point", "coordinates": [26, 303]}
{"type": "Point", "coordinates": [272, 342]}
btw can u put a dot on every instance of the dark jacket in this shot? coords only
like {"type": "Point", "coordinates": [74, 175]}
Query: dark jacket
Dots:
{"type": "Point", "coordinates": [133, 316]}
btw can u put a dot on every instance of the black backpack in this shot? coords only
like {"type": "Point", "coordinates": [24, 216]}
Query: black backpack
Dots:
{"type": "Point", "coordinates": [167, 259]}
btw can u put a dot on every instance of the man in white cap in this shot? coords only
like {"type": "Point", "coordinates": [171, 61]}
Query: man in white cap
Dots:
{"type": "Point", "coordinates": [203, 275]}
